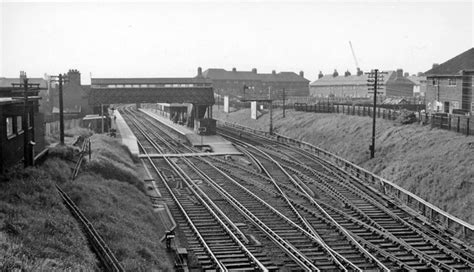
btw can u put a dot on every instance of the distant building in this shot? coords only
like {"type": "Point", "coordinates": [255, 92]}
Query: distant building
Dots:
{"type": "Point", "coordinates": [75, 97]}
{"type": "Point", "coordinates": [449, 85]}
{"type": "Point", "coordinates": [419, 89]}
{"type": "Point", "coordinates": [232, 82]}
{"type": "Point", "coordinates": [347, 85]}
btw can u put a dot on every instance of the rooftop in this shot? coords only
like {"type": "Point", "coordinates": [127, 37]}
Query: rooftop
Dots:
{"type": "Point", "coordinates": [330, 80]}
{"type": "Point", "coordinates": [222, 74]}
{"type": "Point", "coordinates": [463, 61]}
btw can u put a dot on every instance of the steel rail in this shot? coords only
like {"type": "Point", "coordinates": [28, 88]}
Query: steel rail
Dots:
{"type": "Point", "coordinates": [106, 256]}
{"type": "Point", "coordinates": [323, 211]}
{"type": "Point", "coordinates": [294, 253]}
{"type": "Point", "coordinates": [187, 181]}
{"type": "Point", "coordinates": [372, 201]}
{"type": "Point", "coordinates": [426, 257]}
{"type": "Point", "coordinates": [181, 208]}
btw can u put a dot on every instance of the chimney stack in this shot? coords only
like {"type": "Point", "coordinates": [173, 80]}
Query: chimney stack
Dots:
{"type": "Point", "coordinates": [406, 74]}
{"type": "Point", "coordinates": [273, 72]}
{"type": "Point", "coordinates": [435, 65]}
{"type": "Point", "coordinates": [254, 70]}
{"type": "Point", "coordinates": [320, 75]}
{"type": "Point", "coordinates": [335, 73]}
{"type": "Point", "coordinates": [359, 72]}
{"type": "Point", "coordinates": [347, 73]}
{"type": "Point", "coordinates": [399, 72]}
{"type": "Point", "coordinates": [301, 74]}
{"type": "Point", "coordinates": [74, 76]}
{"type": "Point", "coordinates": [22, 76]}
{"type": "Point", "coordinates": [199, 72]}
{"type": "Point", "coordinates": [234, 69]}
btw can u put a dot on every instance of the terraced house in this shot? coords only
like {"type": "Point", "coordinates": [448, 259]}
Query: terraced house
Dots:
{"type": "Point", "coordinates": [232, 83]}
{"type": "Point", "coordinates": [348, 85]}
{"type": "Point", "coordinates": [449, 85]}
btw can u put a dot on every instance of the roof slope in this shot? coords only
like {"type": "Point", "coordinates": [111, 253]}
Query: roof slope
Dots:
{"type": "Point", "coordinates": [463, 61]}
{"type": "Point", "coordinates": [176, 80]}
{"type": "Point", "coordinates": [222, 74]}
{"type": "Point", "coordinates": [329, 80]}
{"type": "Point", "coordinates": [7, 82]}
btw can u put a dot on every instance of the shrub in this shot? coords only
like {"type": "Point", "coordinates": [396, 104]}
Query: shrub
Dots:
{"type": "Point", "coordinates": [406, 117]}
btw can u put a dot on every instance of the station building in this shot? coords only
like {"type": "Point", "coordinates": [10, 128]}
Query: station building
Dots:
{"type": "Point", "coordinates": [355, 86]}
{"type": "Point", "coordinates": [449, 85]}
{"type": "Point", "coordinates": [231, 83]}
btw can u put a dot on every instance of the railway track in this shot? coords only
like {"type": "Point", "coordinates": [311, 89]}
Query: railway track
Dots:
{"type": "Point", "coordinates": [310, 214]}
{"type": "Point", "coordinates": [415, 245]}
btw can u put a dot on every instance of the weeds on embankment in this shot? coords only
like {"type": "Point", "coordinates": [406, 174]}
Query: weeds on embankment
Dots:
{"type": "Point", "coordinates": [112, 197]}
{"type": "Point", "coordinates": [435, 164]}
{"type": "Point", "coordinates": [37, 233]}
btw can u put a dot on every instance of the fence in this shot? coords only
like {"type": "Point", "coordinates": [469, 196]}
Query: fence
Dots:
{"type": "Point", "coordinates": [53, 127]}
{"type": "Point", "coordinates": [457, 123]}
{"type": "Point", "coordinates": [383, 186]}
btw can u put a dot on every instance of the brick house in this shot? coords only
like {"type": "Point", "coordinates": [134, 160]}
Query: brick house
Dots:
{"type": "Point", "coordinates": [347, 85]}
{"type": "Point", "coordinates": [232, 82]}
{"type": "Point", "coordinates": [449, 85]}
{"type": "Point", "coordinates": [75, 97]}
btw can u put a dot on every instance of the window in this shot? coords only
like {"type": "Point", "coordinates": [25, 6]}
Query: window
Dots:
{"type": "Point", "coordinates": [472, 107]}
{"type": "Point", "coordinates": [455, 104]}
{"type": "Point", "coordinates": [144, 85]}
{"type": "Point", "coordinates": [452, 82]}
{"type": "Point", "coordinates": [19, 124]}
{"type": "Point", "coordinates": [9, 126]}
{"type": "Point", "coordinates": [433, 82]}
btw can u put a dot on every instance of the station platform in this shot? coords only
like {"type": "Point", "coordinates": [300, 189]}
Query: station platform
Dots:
{"type": "Point", "coordinates": [125, 133]}
{"type": "Point", "coordinates": [216, 143]}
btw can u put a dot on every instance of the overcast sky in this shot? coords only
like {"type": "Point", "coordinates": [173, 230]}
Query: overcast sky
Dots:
{"type": "Point", "coordinates": [169, 39]}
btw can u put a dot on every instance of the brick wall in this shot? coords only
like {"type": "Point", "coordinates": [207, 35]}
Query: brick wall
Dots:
{"type": "Point", "coordinates": [447, 93]}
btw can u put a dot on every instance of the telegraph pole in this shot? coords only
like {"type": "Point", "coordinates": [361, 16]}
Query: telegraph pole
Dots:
{"type": "Point", "coordinates": [60, 79]}
{"type": "Point", "coordinates": [374, 83]}
{"type": "Point", "coordinates": [270, 130]}
{"type": "Point", "coordinates": [284, 102]}
{"type": "Point", "coordinates": [27, 147]}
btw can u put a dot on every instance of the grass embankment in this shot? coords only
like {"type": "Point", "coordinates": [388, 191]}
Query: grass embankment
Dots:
{"type": "Point", "coordinates": [435, 164]}
{"type": "Point", "coordinates": [112, 196]}
{"type": "Point", "coordinates": [37, 233]}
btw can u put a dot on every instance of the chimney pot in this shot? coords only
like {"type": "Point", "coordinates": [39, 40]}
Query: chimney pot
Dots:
{"type": "Point", "coordinates": [347, 73]}
{"type": "Point", "coordinates": [320, 75]}
{"type": "Point", "coordinates": [254, 70]}
{"type": "Point", "coordinates": [199, 71]}
{"type": "Point", "coordinates": [273, 72]}
{"type": "Point", "coordinates": [301, 74]}
{"type": "Point", "coordinates": [335, 73]}
{"type": "Point", "coordinates": [234, 69]}
{"type": "Point", "coordinates": [359, 72]}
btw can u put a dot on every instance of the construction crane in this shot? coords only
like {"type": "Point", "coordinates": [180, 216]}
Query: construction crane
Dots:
{"type": "Point", "coordinates": [354, 55]}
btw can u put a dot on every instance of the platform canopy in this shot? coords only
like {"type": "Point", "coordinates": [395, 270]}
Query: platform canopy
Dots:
{"type": "Point", "coordinates": [197, 91]}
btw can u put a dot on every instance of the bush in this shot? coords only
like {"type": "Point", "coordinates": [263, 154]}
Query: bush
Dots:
{"type": "Point", "coordinates": [406, 117]}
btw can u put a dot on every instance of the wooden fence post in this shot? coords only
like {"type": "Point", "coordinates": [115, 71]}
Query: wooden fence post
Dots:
{"type": "Point", "coordinates": [467, 127]}
{"type": "Point", "coordinates": [449, 122]}
{"type": "Point", "coordinates": [459, 123]}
